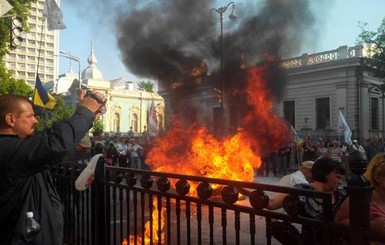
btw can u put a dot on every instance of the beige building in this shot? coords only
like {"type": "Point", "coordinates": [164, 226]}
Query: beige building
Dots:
{"type": "Point", "coordinates": [126, 107]}
{"type": "Point", "coordinates": [38, 47]}
{"type": "Point", "coordinates": [320, 85]}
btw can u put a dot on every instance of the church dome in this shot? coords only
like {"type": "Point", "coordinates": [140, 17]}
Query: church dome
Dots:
{"type": "Point", "coordinates": [92, 72]}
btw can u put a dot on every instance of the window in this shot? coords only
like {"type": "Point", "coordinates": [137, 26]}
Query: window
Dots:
{"type": "Point", "coordinates": [134, 123]}
{"type": "Point", "coordinates": [289, 112]}
{"type": "Point", "coordinates": [374, 112]}
{"type": "Point", "coordinates": [323, 113]}
{"type": "Point", "coordinates": [116, 122]}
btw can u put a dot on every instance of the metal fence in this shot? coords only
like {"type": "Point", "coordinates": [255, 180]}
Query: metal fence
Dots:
{"type": "Point", "coordinates": [130, 206]}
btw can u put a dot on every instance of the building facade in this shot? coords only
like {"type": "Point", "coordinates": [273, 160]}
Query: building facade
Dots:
{"type": "Point", "coordinates": [322, 84]}
{"type": "Point", "coordinates": [126, 108]}
{"type": "Point", "coordinates": [37, 51]}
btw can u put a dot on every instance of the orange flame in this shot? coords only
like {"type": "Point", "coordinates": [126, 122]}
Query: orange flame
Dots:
{"type": "Point", "coordinates": [194, 151]}
{"type": "Point", "coordinates": [267, 131]}
{"type": "Point", "coordinates": [147, 228]}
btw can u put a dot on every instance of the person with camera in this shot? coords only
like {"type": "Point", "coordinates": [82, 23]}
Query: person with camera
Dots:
{"type": "Point", "coordinates": [26, 184]}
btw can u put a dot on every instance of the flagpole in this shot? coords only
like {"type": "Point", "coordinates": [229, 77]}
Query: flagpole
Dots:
{"type": "Point", "coordinates": [39, 55]}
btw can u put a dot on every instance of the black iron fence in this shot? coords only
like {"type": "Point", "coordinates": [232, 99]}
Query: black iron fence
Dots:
{"type": "Point", "coordinates": [130, 206]}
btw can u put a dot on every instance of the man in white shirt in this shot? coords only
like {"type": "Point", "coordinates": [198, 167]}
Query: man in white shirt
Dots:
{"type": "Point", "coordinates": [303, 175]}
{"type": "Point", "coordinates": [135, 150]}
{"type": "Point", "coordinates": [356, 146]}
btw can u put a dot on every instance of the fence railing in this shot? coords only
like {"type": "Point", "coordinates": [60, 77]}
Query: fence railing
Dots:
{"type": "Point", "coordinates": [145, 207]}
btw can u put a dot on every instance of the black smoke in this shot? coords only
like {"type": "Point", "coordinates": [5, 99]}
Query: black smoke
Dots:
{"type": "Point", "coordinates": [165, 39]}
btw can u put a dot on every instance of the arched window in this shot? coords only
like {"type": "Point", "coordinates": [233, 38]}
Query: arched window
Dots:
{"type": "Point", "coordinates": [116, 123]}
{"type": "Point", "coordinates": [134, 123]}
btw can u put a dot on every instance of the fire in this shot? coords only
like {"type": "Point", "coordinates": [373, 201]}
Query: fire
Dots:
{"type": "Point", "coordinates": [267, 131]}
{"type": "Point", "coordinates": [194, 151]}
{"type": "Point", "coordinates": [155, 222]}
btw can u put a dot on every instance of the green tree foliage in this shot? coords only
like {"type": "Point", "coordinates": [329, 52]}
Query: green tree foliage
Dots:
{"type": "Point", "coordinates": [60, 112]}
{"type": "Point", "coordinates": [377, 38]}
{"type": "Point", "coordinates": [10, 85]}
{"type": "Point", "coordinates": [97, 127]}
{"type": "Point", "coordinates": [147, 86]}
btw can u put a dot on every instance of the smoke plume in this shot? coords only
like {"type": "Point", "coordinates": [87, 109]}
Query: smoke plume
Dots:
{"type": "Point", "coordinates": [165, 39]}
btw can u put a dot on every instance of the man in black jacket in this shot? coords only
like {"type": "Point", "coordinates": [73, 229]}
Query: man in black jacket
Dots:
{"type": "Point", "coordinates": [25, 158]}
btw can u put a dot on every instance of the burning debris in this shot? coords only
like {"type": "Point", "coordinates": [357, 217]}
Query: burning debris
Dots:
{"type": "Point", "coordinates": [194, 151]}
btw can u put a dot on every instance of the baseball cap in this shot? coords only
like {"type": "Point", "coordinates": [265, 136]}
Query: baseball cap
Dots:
{"type": "Point", "coordinates": [355, 141]}
{"type": "Point", "coordinates": [307, 164]}
{"type": "Point", "coordinates": [85, 142]}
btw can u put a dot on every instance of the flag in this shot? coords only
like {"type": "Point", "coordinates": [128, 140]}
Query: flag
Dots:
{"type": "Point", "coordinates": [4, 7]}
{"type": "Point", "coordinates": [53, 15]}
{"type": "Point", "coordinates": [41, 97]}
{"type": "Point", "coordinates": [296, 138]}
{"type": "Point", "coordinates": [344, 127]}
{"type": "Point", "coordinates": [152, 119]}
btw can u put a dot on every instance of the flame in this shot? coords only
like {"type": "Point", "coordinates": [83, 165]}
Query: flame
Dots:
{"type": "Point", "coordinates": [268, 131]}
{"type": "Point", "coordinates": [194, 151]}
{"type": "Point", "coordinates": [147, 228]}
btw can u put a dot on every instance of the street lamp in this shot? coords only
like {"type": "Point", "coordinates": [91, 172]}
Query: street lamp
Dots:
{"type": "Point", "coordinates": [72, 57]}
{"type": "Point", "coordinates": [221, 11]}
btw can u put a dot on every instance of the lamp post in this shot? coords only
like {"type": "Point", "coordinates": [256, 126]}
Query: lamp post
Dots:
{"type": "Point", "coordinates": [72, 57]}
{"type": "Point", "coordinates": [221, 11]}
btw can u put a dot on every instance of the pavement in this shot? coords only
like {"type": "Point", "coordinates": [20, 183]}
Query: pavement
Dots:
{"type": "Point", "coordinates": [270, 180]}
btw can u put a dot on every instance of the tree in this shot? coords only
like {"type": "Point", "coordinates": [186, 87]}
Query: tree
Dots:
{"type": "Point", "coordinates": [9, 85]}
{"type": "Point", "coordinates": [377, 39]}
{"type": "Point", "coordinates": [47, 118]}
{"type": "Point", "coordinates": [147, 86]}
{"type": "Point", "coordinates": [97, 127]}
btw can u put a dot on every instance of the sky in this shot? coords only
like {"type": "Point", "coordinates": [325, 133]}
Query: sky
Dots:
{"type": "Point", "coordinates": [336, 23]}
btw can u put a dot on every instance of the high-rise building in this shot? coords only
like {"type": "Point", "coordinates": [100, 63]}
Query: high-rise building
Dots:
{"type": "Point", "coordinates": [37, 52]}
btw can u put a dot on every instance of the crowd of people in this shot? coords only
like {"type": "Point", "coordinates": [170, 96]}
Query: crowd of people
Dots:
{"type": "Point", "coordinates": [323, 168]}
{"type": "Point", "coordinates": [288, 158]}
{"type": "Point", "coordinates": [122, 151]}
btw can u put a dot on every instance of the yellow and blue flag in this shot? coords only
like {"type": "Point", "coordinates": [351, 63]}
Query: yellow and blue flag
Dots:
{"type": "Point", "coordinates": [296, 138]}
{"type": "Point", "coordinates": [41, 97]}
